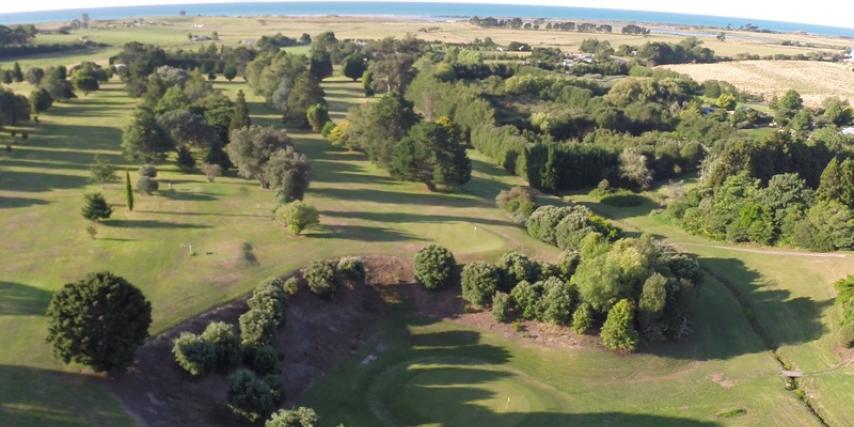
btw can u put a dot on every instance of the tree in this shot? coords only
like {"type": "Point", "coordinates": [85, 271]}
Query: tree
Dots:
{"type": "Point", "coordinates": [240, 118]}
{"type": "Point", "coordinates": [34, 76]}
{"type": "Point", "coordinates": [95, 207]}
{"type": "Point", "coordinates": [249, 396]}
{"type": "Point", "coordinates": [392, 73]}
{"type": "Point", "coordinates": [211, 171]}
{"type": "Point", "coordinates": [317, 116]}
{"type": "Point", "coordinates": [144, 139]}
{"type": "Point", "coordinates": [557, 302]}
{"type": "Point", "coordinates": [320, 64]}
{"type": "Point", "coordinates": [479, 282]}
{"type": "Point", "coordinates": [147, 182]}
{"type": "Point", "coordinates": [226, 345]}
{"type": "Point", "coordinates": [844, 301]}
{"type": "Point", "coordinates": [355, 66]}
{"type": "Point", "coordinates": [435, 267]}
{"type": "Point", "coordinates": [229, 71]}
{"type": "Point", "coordinates": [306, 92]}
{"type": "Point", "coordinates": [429, 155]}
{"type": "Point", "coordinates": [193, 353]}
{"type": "Point", "coordinates": [726, 101]}
{"type": "Point", "coordinates": [502, 306]}
{"type": "Point", "coordinates": [527, 300]}
{"type": "Point", "coordinates": [185, 160]}
{"type": "Point", "coordinates": [320, 276]}
{"type": "Point", "coordinates": [257, 327]}
{"type": "Point", "coordinates": [787, 106]}
{"type": "Point", "coordinates": [85, 83]}
{"type": "Point", "coordinates": [288, 173]}
{"type": "Point", "coordinates": [651, 306]}
{"type": "Point", "coordinates": [40, 100]}
{"type": "Point", "coordinates": [128, 191]}
{"type": "Point", "coordinates": [376, 127]}
{"type": "Point", "coordinates": [516, 267]}
{"type": "Point", "coordinates": [98, 321]}
{"type": "Point", "coordinates": [582, 319]}
{"type": "Point", "coordinates": [17, 74]}
{"type": "Point", "coordinates": [187, 129]}
{"type": "Point", "coordinates": [294, 417]}
{"type": "Point", "coordinates": [838, 112]}
{"type": "Point", "coordinates": [55, 84]}
{"type": "Point", "coordinates": [837, 182]}
{"type": "Point", "coordinates": [298, 216]}
{"type": "Point", "coordinates": [618, 332]}
{"type": "Point", "coordinates": [633, 168]}
{"type": "Point", "coordinates": [102, 171]}
{"type": "Point", "coordinates": [251, 147]}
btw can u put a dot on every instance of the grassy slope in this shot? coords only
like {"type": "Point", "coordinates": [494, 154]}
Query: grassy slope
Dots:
{"type": "Point", "coordinates": [790, 296]}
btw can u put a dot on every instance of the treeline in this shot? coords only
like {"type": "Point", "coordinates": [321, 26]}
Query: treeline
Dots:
{"type": "Point", "coordinates": [7, 51]}
{"type": "Point", "coordinates": [519, 23]}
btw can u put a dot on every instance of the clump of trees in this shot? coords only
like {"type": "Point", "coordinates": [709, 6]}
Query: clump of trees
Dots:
{"type": "Point", "coordinates": [566, 227]}
{"type": "Point", "coordinates": [267, 154]}
{"type": "Point", "coordinates": [120, 311]}
{"type": "Point", "coordinates": [290, 83]}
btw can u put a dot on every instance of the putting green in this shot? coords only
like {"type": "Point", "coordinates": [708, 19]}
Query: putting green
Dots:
{"type": "Point", "coordinates": [459, 392]}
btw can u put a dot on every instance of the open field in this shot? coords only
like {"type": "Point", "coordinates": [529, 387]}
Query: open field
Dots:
{"type": "Point", "coordinates": [172, 32]}
{"type": "Point", "coordinates": [813, 80]}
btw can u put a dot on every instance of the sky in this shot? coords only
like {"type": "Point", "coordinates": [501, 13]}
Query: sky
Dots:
{"type": "Point", "coordinates": [821, 12]}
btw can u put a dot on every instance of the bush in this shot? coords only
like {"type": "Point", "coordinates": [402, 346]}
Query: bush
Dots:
{"type": "Point", "coordinates": [263, 360]}
{"type": "Point", "coordinates": [618, 333]}
{"type": "Point", "coordinates": [327, 129]}
{"type": "Point", "coordinates": [257, 327]}
{"type": "Point", "coordinates": [582, 319]}
{"type": "Point", "coordinates": [148, 170]}
{"type": "Point", "coordinates": [320, 276]}
{"type": "Point", "coordinates": [317, 116]}
{"type": "Point", "coordinates": [479, 282]}
{"type": "Point", "coordinates": [95, 207]}
{"type": "Point", "coordinates": [351, 270]}
{"type": "Point", "coordinates": [121, 312]}
{"type": "Point", "coordinates": [147, 185]}
{"type": "Point", "coordinates": [527, 299]}
{"type": "Point", "coordinates": [557, 302]}
{"type": "Point", "coordinates": [226, 344]}
{"type": "Point", "coordinates": [502, 307]}
{"type": "Point", "coordinates": [250, 397]}
{"type": "Point", "coordinates": [193, 353]}
{"type": "Point", "coordinates": [299, 215]}
{"type": "Point", "coordinates": [211, 171]}
{"type": "Point", "coordinates": [516, 267]}
{"type": "Point", "coordinates": [296, 417]}
{"type": "Point", "coordinates": [291, 286]}
{"type": "Point", "coordinates": [435, 267]}
{"type": "Point", "coordinates": [567, 262]}
{"type": "Point", "coordinates": [519, 201]}
{"type": "Point", "coordinates": [270, 298]}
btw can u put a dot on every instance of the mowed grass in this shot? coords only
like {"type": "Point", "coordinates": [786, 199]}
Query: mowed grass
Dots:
{"type": "Point", "coordinates": [194, 244]}
{"type": "Point", "coordinates": [789, 294]}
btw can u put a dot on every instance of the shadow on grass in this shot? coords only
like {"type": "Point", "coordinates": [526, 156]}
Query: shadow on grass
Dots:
{"type": "Point", "coordinates": [33, 182]}
{"type": "Point", "coordinates": [400, 198]}
{"type": "Point", "coordinates": [622, 206]}
{"type": "Point", "coordinates": [187, 196]}
{"type": "Point", "coordinates": [149, 223]}
{"type": "Point", "coordinates": [17, 299]}
{"type": "Point", "coordinates": [362, 233]}
{"type": "Point", "coordinates": [397, 217]}
{"type": "Point", "coordinates": [20, 202]}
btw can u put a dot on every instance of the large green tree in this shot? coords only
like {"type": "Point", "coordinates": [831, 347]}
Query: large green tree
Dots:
{"type": "Point", "coordinates": [251, 148]}
{"type": "Point", "coordinates": [98, 321]}
{"type": "Point", "coordinates": [288, 173]}
{"type": "Point", "coordinates": [377, 126]}
{"type": "Point", "coordinates": [428, 154]}
{"type": "Point", "coordinates": [144, 139]}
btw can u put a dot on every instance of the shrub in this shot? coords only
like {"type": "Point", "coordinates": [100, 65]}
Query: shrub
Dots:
{"type": "Point", "coordinates": [95, 207]}
{"type": "Point", "coordinates": [248, 396]}
{"type": "Point", "coordinates": [351, 270]}
{"type": "Point", "coordinates": [270, 298]}
{"type": "Point", "coordinates": [147, 185]}
{"type": "Point", "coordinates": [211, 171]}
{"type": "Point", "coordinates": [148, 170]}
{"type": "Point", "coordinates": [618, 333]}
{"type": "Point", "coordinates": [327, 129]}
{"type": "Point", "coordinates": [557, 302]}
{"type": "Point", "coordinates": [435, 267]}
{"type": "Point", "coordinates": [845, 302]}
{"type": "Point", "coordinates": [582, 319]}
{"type": "Point", "coordinates": [502, 307]}
{"type": "Point", "coordinates": [567, 262]}
{"type": "Point", "coordinates": [193, 353]}
{"type": "Point", "coordinates": [257, 327]}
{"type": "Point", "coordinates": [299, 215]}
{"type": "Point", "coordinates": [263, 360]}
{"type": "Point", "coordinates": [527, 299]}
{"type": "Point", "coordinates": [109, 301]}
{"type": "Point", "coordinates": [479, 282]}
{"type": "Point", "coordinates": [291, 286]}
{"type": "Point", "coordinates": [102, 171]}
{"type": "Point", "coordinates": [320, 276]}
{"type": "Point", "coordinates": [516, 267]}
{"type": "Point", "coordinates": [226, 344]}
{"type": "Point", "coordinates": [317, 116]}
{"type": "Point", "coordinates": [295, 417]}
{"type": "Point", "coordinates": [543, 222]}
{"type": "Point", "coordinates": [519, 201]}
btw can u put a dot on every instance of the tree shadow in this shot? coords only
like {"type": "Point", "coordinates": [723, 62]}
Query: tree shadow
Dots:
{"type": "Point", "coordinates": [149, 223]}
{"type": "Point", "coordinates": [736, 311]}
{"type": "Point", "coordinates": [639, 206]}
{"type": "Point", "coordinates": [36, 182]}
{"type": "Point", "coordinates": [17, 299]}
{"type": "Point", "coordinates": [397, 217]}
{"type": "Point", "coordinates": [400, 198]}
{"type": "Point", "coordinates": [187, 196]}
{"type": "Point", "coordinates": [362, 233]}
{"type": "Point", "coordinates": [20, 202]}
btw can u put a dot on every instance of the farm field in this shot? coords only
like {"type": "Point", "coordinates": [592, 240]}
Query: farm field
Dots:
{"type": "Point", "coordinates": [813, 80]}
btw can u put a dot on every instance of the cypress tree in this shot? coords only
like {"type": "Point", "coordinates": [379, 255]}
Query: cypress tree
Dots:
{"type": "Point", "coordinates": [95, 207]}
{"type": "Point", "coordinates": [240, 118]}
{"type": "Point", "coordinates": [17, 74]}
{"type": "Point", "coordinates": [831, 184]}
{"type": "Point", "coordinates": [548, 176]}
{"type": "Point", "coordinates": [128, 191]}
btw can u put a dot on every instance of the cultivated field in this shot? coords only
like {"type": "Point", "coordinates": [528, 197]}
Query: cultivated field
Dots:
{"type": "Point", "coordinates": [813, 80]}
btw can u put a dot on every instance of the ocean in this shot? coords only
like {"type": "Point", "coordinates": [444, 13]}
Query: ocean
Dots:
{"type": "Point", "coordinates": [417, 10]}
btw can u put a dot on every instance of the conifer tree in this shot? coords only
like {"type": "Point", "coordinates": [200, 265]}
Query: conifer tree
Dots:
{"type": "Point", "coordinates": [95, 207]}
{"type": "Point", "coordinates": [240, 118]}
{"type": "Point", "coordinates": [128, 191]}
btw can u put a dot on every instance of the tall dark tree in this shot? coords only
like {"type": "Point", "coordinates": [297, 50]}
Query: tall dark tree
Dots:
{"type": "Point", "coordinates": [288, 173]}
{"type": "Point", "coordinates": [428, 154]}
{"type": "Point", "coordinates": [128, 191]}
{"type": "Point", "coordinates": [98, 321]}
{"type": "Point", "coordinates": [17, 74]}
{"type": "Point", "coordinates": [377, 126]}
{"type": "Point", "coordinates": [321, 64]}
{"type": "Point", "coordinates": [837, 182]}
{"type": "Point", "coordinates": [306, 92]}
{"type": "Point", "coordinates": [355, 66]}
{"type": "Point", "coordinates": [40, 100]}
{"type": "Point", "coordinates": [240, 118]}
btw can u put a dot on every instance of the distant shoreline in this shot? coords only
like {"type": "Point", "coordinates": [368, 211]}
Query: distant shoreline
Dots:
{"type": "Point", "coordinates": [418, 11]}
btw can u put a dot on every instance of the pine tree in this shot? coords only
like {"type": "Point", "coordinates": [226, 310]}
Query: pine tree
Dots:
{"type": "Point", "coordinates": [831, 186]}
{"type": "Point", "coordinates": [17, 74]}
{"type": "Point", "coordinates": [128, 191]}
{"type": "Point", "coordinates": [95, 207]}
{"type": "Point", "coordinates": [548, 176]}
{"type": "Point", "coordinates": [185, 160]}
{"type": "Point", "coordinates": [240, 118]}
{"type": "Point", "coordinates": [618, 332]}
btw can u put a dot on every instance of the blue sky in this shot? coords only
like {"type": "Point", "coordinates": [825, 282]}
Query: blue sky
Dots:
{"type": "Point", "coordinates": [822, 12]}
